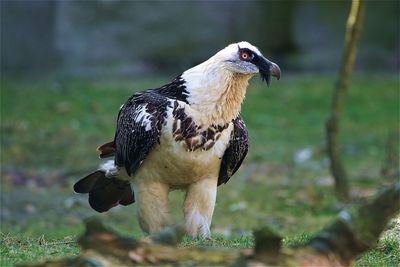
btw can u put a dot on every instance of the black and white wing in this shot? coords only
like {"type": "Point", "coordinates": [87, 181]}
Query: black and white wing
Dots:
{"type": "Point", "coordinates": [139, 128]}
{"type": "Point", "coordinates": [236, 152]}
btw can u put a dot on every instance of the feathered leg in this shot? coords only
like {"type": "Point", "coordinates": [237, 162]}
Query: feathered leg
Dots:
{"type": "Point", "coordinates": [152, 205]}
{"type": "Point", "coordinates": [199, 207]}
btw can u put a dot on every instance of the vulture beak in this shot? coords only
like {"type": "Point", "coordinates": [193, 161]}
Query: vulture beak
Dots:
{"type": "Point", "coordinates": [268, 69]}
{"type": "Point", "coordinates": [275, 71]}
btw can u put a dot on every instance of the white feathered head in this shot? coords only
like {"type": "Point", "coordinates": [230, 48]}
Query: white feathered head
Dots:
{"type": "Point", "coordinates": [245, 58]}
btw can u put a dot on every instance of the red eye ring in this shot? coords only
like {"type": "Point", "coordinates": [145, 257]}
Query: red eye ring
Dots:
{"type": "Point", "coordinates": [243, 56]}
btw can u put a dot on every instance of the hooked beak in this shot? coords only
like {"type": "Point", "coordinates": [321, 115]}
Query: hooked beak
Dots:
{"type": "Point", "coordinates": [268, 69]}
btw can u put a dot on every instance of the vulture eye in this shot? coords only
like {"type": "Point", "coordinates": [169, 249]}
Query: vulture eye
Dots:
{"type": "Point", "coordinates": [245, 56]}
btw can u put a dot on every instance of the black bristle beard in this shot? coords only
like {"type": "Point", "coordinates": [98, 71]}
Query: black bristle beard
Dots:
{"type": "Point", "coordinates": [265, 77]}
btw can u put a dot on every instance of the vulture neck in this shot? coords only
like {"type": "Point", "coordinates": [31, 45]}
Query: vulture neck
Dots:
{"type": "Point", "coordinates": [215, 92]}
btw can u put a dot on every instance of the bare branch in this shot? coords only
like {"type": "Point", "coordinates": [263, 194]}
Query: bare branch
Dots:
{"type": "Point", "coordinates": [332, 124]}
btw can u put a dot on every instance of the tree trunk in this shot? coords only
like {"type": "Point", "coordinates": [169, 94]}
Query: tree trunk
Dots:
{"type": "Point", "coordinates": [332, 125]}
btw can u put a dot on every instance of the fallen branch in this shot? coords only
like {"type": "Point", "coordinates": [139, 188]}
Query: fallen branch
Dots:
{"type": "Point", "coordinates": [354, 231]}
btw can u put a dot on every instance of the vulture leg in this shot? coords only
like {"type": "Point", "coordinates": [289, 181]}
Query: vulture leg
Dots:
{"type": "Point", "coordinates": [152, 205]}
{"type": "Point", "coordinates": [199, 207]}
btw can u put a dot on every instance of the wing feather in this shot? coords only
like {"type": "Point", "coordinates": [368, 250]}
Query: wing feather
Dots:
{"type": "Point", "coordinates": [107, 150]}
{"type": "Point", "coordinates": [236, 152]}
{"type": "Point", "coordinates": [139, 128]}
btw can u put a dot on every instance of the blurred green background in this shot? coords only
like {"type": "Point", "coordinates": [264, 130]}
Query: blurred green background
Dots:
{"type": "Point", "coordinates": [67, 66]}
{"type": "Point", "coordinates": [165, 37]}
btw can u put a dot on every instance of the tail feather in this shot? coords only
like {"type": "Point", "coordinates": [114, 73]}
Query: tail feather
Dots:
{"type": "Point", "coordinates": [86, 184]}
{"type": "Point", "coordinates": [104, 192]}
{"type": "Point", "coordinates": [127, 197]}
{"type": "Point", "coordinates": [107, 150]}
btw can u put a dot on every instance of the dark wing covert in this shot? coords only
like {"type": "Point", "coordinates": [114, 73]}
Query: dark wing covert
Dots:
{"type": "Point", "coordinates": [236, 152]}
{"type": "Point", "coordinates": [139, 128]}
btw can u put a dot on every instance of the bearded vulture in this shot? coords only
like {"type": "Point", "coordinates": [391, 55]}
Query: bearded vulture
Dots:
{"type": "Point", "coordinates": [186, 135]}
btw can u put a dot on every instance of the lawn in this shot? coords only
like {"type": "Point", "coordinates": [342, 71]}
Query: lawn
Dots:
{"type": "Point", "coordinates": [51, 128]}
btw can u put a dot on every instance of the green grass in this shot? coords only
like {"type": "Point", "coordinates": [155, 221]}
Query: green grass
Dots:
{"type": "Point", "coordinates": [18, 248]}
{"type": "Point", "coordinates": [51, 128]}
{"type": "Point", "coordinates": [387, 253]}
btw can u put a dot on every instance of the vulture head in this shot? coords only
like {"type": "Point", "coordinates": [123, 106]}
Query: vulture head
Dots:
{"type": "Point", "coordinates": [245, 58]}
